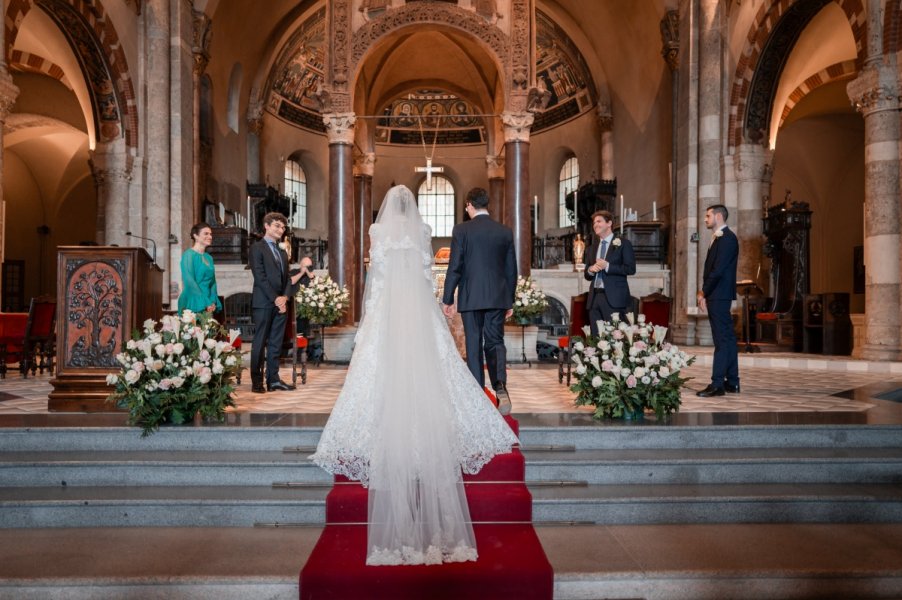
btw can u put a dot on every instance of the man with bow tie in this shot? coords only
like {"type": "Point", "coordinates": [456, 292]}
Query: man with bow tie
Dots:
{"type": "Point", "coordinates": [716, 297]}
{"type": "Point", "coordinates": [609, 261]}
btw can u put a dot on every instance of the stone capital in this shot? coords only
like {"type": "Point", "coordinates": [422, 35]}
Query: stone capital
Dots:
{"type": "Point", "coordinates": [516, 125]}
{"type": "Point", "coordinates": [670, 39]}
{"type": "Point", "coordinates": [365, 164]}
{"type": "Point", "coordinates": [110, 165]}
{"type": "Point", "coordinates": [200, 47]}
{"type": "Point", "coordinates": [876, 89]}
{"type": "Point", "coordinates": [495, 166]}
{"type": "Point", "coordinates": [255, 117]}
{"type": "Point", "coordinates": [605, 118]}
{"type": "Point", "coordinates": [340, 127]}
{"type": "Point", "coordinates": [753, 163]}
{"type": "Point", "coordinates": [8, 94]}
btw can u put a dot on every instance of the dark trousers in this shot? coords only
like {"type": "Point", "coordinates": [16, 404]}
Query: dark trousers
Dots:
{"type": "Point", "coordinates": [268, 337]}
{"type": "Point", "coordinates": [726, 355]}
{"type": "Point", "coordinates": [601, 310]}
{"type": "Point", "coordinates": [484, 332]}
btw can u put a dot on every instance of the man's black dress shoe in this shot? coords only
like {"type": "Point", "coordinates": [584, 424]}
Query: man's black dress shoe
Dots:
{"type": "Point", "coordinates": [504, 399]}
{"type": "Point", "coordinates": [258, 389]}
{"type": "Point", "coordinates": [710, 391]}
{"type": "Point", "coordinates": [733, 389]}
{"type": "Point", "coordinates": [280, 386]}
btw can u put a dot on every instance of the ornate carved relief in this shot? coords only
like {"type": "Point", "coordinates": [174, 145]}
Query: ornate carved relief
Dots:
{"type": "Point", "coordinates": [365, 164]}
{"type": "Point", "coordinates": [670, 38]}
{"type": "Point", "coordinates": [340, 33]}
{"type": "Point", "coordinates": [875, 89]}
{"type": "Point", "coordinates": [494, 166]}
{"type": "Point", "coordinates": [200, 47]}
{"type": "Point", "coordinates": [340, 127]}
{"type": "Point", "coordinates": [8, 94]}
{"type": "Point", "coordinates": [520, 30]}
{"type": "Point", "coordinates": [93, 314]}
{"type": "Point", "coordinates": [516, 126]}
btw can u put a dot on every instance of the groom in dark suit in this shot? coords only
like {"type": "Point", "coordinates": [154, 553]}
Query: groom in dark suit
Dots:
{"type": "Point", "coordinates": [608, 263]}
{"type": "Point", "coordinates": [483, 270]}
{"type": "Point", "coordinates": [269, 303]}
{"type": "Point", "coordinates": [716, 296]}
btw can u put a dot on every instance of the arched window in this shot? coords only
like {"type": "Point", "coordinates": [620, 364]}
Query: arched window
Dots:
{"type": "Point", "coordinates": [437, 206]}
{"type": "Point", "coordinates": [568, 181]}
{"type": "Point", "coordinates": [296, 188]}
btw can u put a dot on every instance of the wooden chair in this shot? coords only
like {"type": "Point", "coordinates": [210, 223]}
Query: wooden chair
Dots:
{"type": "Point", "coordinates": [12, 338]}
{"type": "Point", "coordinates": [579, 318]}
{"type": "Point", "coordinates": [656, 308]}
{"type": "Point", "coordinates": [39, 346]}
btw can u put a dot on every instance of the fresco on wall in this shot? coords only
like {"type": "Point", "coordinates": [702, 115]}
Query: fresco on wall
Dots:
{"type": "Point", "coordinates": [298, 74]}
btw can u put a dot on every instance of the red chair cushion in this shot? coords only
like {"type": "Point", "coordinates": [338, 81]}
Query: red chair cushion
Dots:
{"type": "Point", "coordinates": [563, 341]}
{"type": "Point", "coordinates": [301, 341]}
{"type": "Point", "coordinates": [766, 316]}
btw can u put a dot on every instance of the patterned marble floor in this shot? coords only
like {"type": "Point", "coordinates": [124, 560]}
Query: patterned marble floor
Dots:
{"type": "Point", "coordinates": [769, 384]}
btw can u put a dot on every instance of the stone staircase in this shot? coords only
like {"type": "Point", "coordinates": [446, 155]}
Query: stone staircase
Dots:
{"type": "Point", "coordinates": [597, 476]}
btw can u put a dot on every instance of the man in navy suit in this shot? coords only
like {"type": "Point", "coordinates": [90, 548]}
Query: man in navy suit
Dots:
{"type": "Point", "coordinates": [716, 296]}
{"type": "Point", "coordinates": [483, 270]}
{"type": "Point", "coordinates": [269, 303]}
{"type": "Point", "coordinates": [608, 263]}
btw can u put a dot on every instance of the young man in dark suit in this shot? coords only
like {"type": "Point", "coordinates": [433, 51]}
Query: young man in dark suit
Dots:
{"type": "Point", "coordinates": [716, 296]}
{"type": "Point", "coordinates": [483, 270]}
{"type": "Point", "coordinates": [609, 261]}
{"type": "Point", "coordinates": [269, 303]}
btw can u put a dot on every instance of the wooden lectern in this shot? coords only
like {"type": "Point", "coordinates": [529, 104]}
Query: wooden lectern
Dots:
{"type": "Point", "coordinates": [103, 294]}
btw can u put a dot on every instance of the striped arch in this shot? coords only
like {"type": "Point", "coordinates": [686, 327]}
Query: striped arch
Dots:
{"type": "Point", "coordinates": [763, 26]}
{"type": "Point", "coordinates": [107, 39]}
{"type": "Point", "coordinates": [842, 70]}
{"type": "Point", "coordinates": [27, 62]}
{"type": "Point", "coordinates": [892, 27]}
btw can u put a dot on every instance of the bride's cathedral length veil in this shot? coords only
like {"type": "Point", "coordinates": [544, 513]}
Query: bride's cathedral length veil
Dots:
{"type": "Point", "coordinates": [410, 416]}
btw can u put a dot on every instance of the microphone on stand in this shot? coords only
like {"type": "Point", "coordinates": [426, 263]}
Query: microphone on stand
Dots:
{"type": "Point", "coordinates": [154, 257]}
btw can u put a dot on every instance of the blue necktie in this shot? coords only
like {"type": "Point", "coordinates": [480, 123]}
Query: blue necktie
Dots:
{"type": "Point", "coordinates": [599, 282]}
{"type": "Point", "coordinates": [275, 253]}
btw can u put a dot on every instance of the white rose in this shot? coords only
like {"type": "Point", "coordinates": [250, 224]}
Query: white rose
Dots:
{"type": "Point", "coordinates": [639, 372]}
{"type": "Point", "coordinates": [209, 343]}
{"type": "Point", "coordinates": [131, 344]}
{"type": "Point", "coordinates": [177, 381]}
{"type": "Point", "coordinates": [230, 361]}
{"type": "Point", "coordinates": [581, 370]}
{"type": "Point", "coordinates": [111, 379]}
{"type": "Point", "coordinates": [596, 381]}
{"type": "Point", "coordinates": [578, 346]}
{"type": "Point", "coordinates": [217, 367]}
{"type": "Point", "coordinates": [646, 380]}
{"type": "Point", "coordinates": [664, 372]}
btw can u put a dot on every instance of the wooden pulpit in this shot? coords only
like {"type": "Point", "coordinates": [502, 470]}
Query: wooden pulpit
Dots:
{"type": "Point", "coordinates": [103, 294]}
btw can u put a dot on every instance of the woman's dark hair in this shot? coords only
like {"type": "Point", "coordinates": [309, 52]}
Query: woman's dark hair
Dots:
{"type": "Point", "coordinates": [198, 227]}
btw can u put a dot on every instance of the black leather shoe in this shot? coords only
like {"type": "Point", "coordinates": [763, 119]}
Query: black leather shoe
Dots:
{"type": "Point", "coordinates": [280, 386]}
{"type": "Point", "coordinates": [258, 389]}
{"type": "Point", "coordinates": [732, 389]}
{"type": "Point", "coordinates": [504, 399]}
{"type": "Point", "coordinates": [711, 391]}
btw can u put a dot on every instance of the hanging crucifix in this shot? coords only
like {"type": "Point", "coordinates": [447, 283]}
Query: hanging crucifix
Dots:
{"type": "Point", "coordinates": [429, 169]}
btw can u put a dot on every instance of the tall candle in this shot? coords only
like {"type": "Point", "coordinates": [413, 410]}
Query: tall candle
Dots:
{"type": "Point", "coordinates": [654, 210]}
{"type": "Point", "coordinates": [535, 229]}
{"type": "Point", "coordinates": [621, 214]}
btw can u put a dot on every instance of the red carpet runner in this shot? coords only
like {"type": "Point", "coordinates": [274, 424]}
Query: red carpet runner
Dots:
{"type": "Point", "coordinates": [511, 561]}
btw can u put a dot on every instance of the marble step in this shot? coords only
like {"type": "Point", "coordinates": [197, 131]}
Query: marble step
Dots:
{"type": "Point", "coordinates": [232, 468]}
{"type": "Point", "coordinates": [241, 506]}
{"type": "Point", "coordinates": [267, 433]}
{"type": "Point", "coordinates": [679, 562]}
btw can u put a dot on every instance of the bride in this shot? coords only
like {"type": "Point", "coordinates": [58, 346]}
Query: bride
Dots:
{"type": "Point", "coordinates": [410, 416]}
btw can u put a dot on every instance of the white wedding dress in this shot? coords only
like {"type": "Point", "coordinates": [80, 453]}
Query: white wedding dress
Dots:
{"type": "Point", "coordinates": [410, 416]}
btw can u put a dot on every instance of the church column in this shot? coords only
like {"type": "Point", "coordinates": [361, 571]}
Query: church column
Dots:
{"type": "Point", "coordinates": [156, 22]}
{"type": "Point", "coordinates": [606, 128]}
{"type": "Point", "coordinates": [685, 211]}
{"type": "Point", "coordinates": [752, 166]}
{"type": "Point", "coordinates": [495, 172]}
{"type": "Point", "coordinates": [201, 53]}
{"type": "Point", "coordinates": [111, 167]}
{"type": "Point", "coordinates": [342, 242]}
{"type": "Point", "coordinates": [364, 166]}
{"type": "Point", "coordinates": [710, 96]}
{"type": "Point", "coordinates": [254, 133]}
{"type": "Point", "coordinates": [875, 93]}
{"type": "Point", "coordinates": [8, 94]}
{"type": "Point", "coordinates": [516, 188]}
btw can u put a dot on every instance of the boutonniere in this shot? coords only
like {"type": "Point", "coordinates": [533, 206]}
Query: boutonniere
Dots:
{"type": "Point", "coordinates": [615, 241]}
{"type": "Point", "coordinates": [718, 233]}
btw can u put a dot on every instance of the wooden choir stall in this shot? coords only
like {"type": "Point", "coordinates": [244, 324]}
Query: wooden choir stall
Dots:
{"type": "Point", "coordinates": [103, 294]}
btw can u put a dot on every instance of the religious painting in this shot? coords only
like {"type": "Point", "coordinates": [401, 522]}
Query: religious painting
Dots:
{"type": "Point", "coordinates": [428, 117]}
{"type": "Point", "coordinates": [298, 74]}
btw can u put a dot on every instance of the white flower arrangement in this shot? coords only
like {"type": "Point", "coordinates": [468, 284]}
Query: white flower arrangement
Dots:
{"type": "Point", "coordinates": [323, 301]}
{"type": "Point", "coordinates": [616, 242]}
{"type": "Point", "coordinates": [171, 374]}
{"type": "Point", "coordinates": [529, 300]}
{"type": "Point", "coordinates": [627, 368]}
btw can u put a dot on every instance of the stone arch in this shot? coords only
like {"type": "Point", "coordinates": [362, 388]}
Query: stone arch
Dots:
{"type": "Point", "coordinates": [759, 49]}
{"type": "Point", "coordinates": [92, 19]}
{"type": "Point", "coordinates": [32, 63]}
{"type": "Point", "coordinates": [843, 70]}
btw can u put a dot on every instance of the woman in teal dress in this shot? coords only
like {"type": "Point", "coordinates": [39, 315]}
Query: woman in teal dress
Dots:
{"type": "Point", "coordinates": [198, 275]}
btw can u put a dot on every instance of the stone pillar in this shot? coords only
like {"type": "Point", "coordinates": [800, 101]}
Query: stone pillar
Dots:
{"type": "Point", "coordinates": [342, 238]}
{"type": "Point", "coordinates": [201, 53]}
{"type": "Point", "coordinates": [156, 22]}
{"type": "Point", "coordinates": [875, 93]}
{"type": "Point", "coordinates": [8, 94]}
{"type": "Point", "coordinates": [752, 166]}
{"type": "Point", "coordinates": [606, 129]}
{"type": "Point", "coordinates": [495, 172]}
{"type": "Point", "coordinates": [516, 189]}
{"type": "Point", "coordinates": [710, 98]}
{"type": "Point", "coordinates": [364, 166]}
{"type": "Point", "coordinates": [254, 133]}
{"type": "Point", "coordinates": [685, 282]}
{"type": "Point", "coordinates": [111, 167]}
